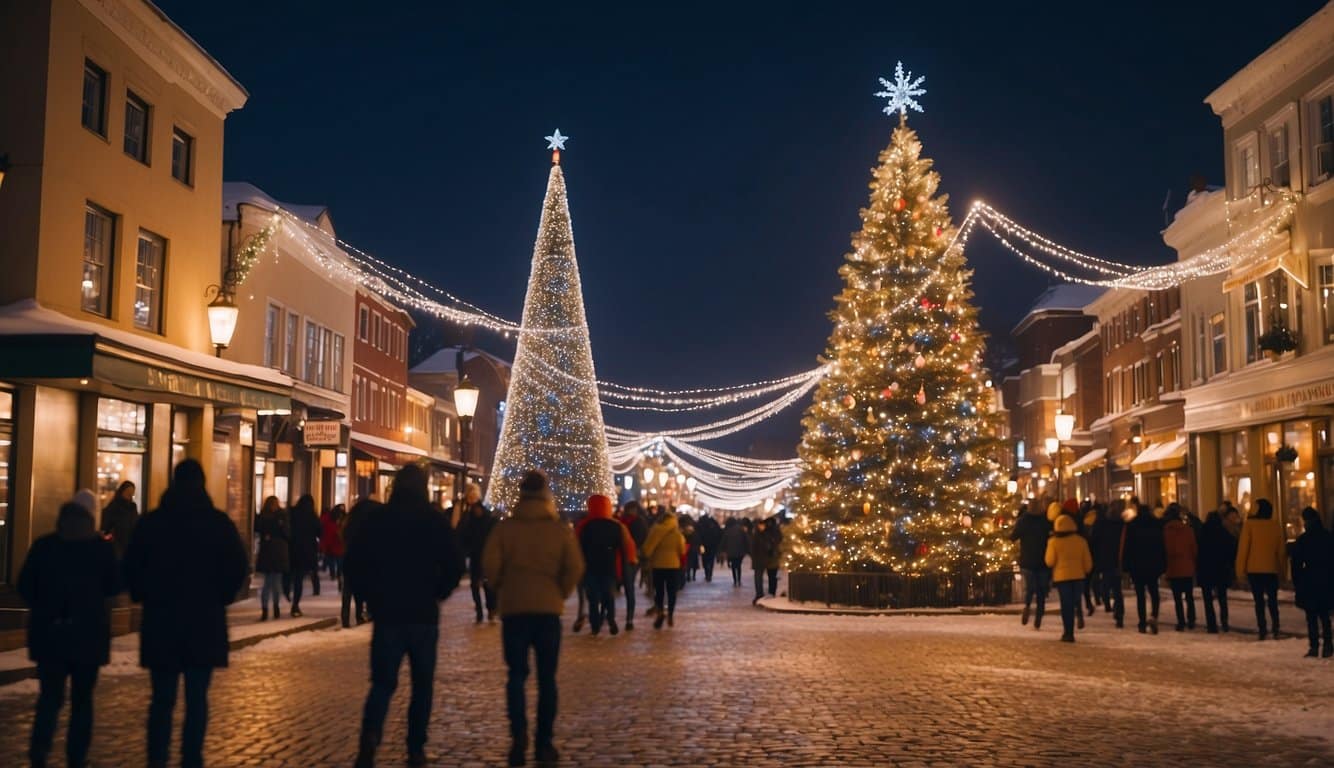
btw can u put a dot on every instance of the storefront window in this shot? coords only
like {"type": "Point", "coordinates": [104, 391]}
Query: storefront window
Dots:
{"type": "Point", "coordinates": [1237, 489]}
{"type": "Point", "coordinates": [1301, 479]}
{"type": "Point", "coordinates": [1234, 449]}
{"type": "Point", "coordinates": [180, 436]}
{"type": "Point", "coordinates": [6, 468]}
{"type": "Point", "coordinates": [121, 444]}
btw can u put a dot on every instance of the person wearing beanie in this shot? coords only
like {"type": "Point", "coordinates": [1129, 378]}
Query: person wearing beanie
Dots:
{"type": "Point", "coordinates": [1031, 530]}
{"type": "Point", "coordinates": [1105, 541]}
{"type": "Point", "coordinates": [404, 561]}
{"type": "Point", "coordinates": [1313, 579]}
{"type": "Point", "coordinates": [1070, 562]}
{"type": "Point", "coordinates": [1182, 552]}
{"type": "Point", "coordinates": [605, 543]}
{"type": "Point", "coordinates": [185, 564]}
{"type": "Point", "coordinates": [86, 499]}
{"type": "Point", "coordinates": [65, 581]}
{"type": "Point", "coordinates": [632, 517]}
{"type": "Point", "coordinates": [1215, 570]}
{"type": "Point", "coordinates": [533, 561]}
{"type": "Point", "coordinates": [1261, 559]}
{"type": "Point", "coordinates": [664, 548]}
{"type": "Point", "coordinates": [1144, 557]}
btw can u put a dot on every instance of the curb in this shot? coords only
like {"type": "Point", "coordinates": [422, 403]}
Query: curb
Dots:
{"type": "Point", "coordinates": [28, 673]}
{"type": "Point", "coordinates": [850, 611]}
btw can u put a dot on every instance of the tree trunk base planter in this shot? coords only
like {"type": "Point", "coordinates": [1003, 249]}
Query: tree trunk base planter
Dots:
{"type": "Point", "coordinates": [896, 591]}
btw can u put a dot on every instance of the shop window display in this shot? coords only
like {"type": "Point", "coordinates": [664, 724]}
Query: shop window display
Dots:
{"type": "Point", "coordinates": [121, 445]}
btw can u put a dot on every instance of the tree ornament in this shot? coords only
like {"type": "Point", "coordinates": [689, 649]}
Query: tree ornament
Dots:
{"type": "Point", "coordinates": [966, 520]}
{"type": "Point", "coordinates": [870, 415]}
{"type": "Point", "coordinates": [919, 362]}
{"type": "Point", "coordinates": [940, 231]}
{"type": "Point", "coordinates": [887, 393]}
{"type": "Point", "coordinates": [849, 401]}
{"type": "Point", "coordinates": [921, 395]}
{"type": "Point", "coordinates": [828, 473]}
{"type": "Point", "coordinates": [866, 507]}
{"type": "Point", "coordinates": [900, 204]}
{"type": "Point", "coordinates": [856, 454]}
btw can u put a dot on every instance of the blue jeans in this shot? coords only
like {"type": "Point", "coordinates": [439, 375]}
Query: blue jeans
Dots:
{"type": "Point", "coordinates": [518, 633]}
{"type": "Point", "coordinates": [1069, 592]}
{"type": "Point", "coordinates": [1109, 587]}
{"type": "Point", "coordinates": [601, 599]}
{"type": "Point", "coordinates": [389, 644]}
{"type": "Point", "coordinates": [52, 675]}
{"type": "Point", "coordinates": [1036, 584]}
{"type": "Point", "coordinates": [165, 683]}
{"type": "Point", "coordinates": [629, 575]}
{"type": "Point", "coordinates": [273, 588]}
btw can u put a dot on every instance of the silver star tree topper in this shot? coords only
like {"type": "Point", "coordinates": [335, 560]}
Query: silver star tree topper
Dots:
{"type": "Point", "coordinates": [900, 93]}
{"type": "Point", "coordinates": [558, 141]}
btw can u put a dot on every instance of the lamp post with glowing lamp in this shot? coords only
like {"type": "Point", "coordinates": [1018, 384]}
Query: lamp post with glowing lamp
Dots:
{"type": "Point", "coordinates": [1065, 428]}
{"type": "Point", "coordinates": [465, 402]}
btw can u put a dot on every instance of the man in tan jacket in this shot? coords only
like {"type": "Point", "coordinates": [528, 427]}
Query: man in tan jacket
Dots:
{"type": "Point", "coordinates": [533, 561]}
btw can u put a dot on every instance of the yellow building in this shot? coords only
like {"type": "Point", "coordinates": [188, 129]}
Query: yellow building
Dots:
{"type": "Point", "coordinates": [113, 126]}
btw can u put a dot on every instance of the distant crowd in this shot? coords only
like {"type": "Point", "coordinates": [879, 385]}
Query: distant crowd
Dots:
{"type": "Point", "coordinates": [1084, 550]}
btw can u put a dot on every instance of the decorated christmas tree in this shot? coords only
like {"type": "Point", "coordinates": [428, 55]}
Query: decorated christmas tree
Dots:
{"type": "Point", "coordinates": [898, 447]}
{"type": "Point", "coordinates": [553, 421]}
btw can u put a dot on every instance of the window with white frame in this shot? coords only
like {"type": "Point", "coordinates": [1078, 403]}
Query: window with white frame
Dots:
{"type": "Point", "coordinates": [1325, 274]}
{"type": "Point", "coordinates": [1280, 174]}
{"type": "Point", "coordinates": [1246, 166]}
{"type": "Point", "coordinates": [273, 336]}
{"type": "Point", "coordinates": [1201, 344]}
{"type": "Point", "coordinates": [148, 269]}
{"type": "Point", "coordinates": [363, 323]}
{"type": "Point", "coordinates": [99, 236]}
{"type": "Point", "coordinates": [336, 380]}
{"type": "Point", "coordinates": [1251, 305]}
{"type": "Point", "coordinates": [1321, 119]}
{"type": "Point", "coordinates": [1161, 372]}
{"type": "Point", "coordinates": [1218, 336]}
{"type": "Point", "coordinates": [1174, 365]}
{"type": "Point", "coordinates": [292, 344]}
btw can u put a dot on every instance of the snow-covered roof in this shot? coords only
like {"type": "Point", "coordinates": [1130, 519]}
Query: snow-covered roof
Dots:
{"type": "Point", "coordinates": [28, 318]}
{"type": "Point", "coordinates": [1072, 345]}
{"type": "Point", "coordinates": [445, 360]}
{"type": "Point", "coordinates": [235, 193]}
{"type": "Point", "coordinates": [1066, 297]}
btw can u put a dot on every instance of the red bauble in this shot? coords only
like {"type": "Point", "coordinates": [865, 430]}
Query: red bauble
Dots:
{"type": "Point", "coordinates": [922, 549]}
{"type": "Point", "coordinates": [926, 303]}
{"type": "Point", "coordinates": [940, 231]}
{"type": "Point", "coordinates": [900, 204]}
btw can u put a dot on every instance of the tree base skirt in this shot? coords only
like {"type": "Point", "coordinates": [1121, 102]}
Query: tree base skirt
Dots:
{"type": "Point", "coordinates": [897, 590]}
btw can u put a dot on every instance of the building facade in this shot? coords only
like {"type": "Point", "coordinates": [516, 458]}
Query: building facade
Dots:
{"type": "Point", "coordinates": [438, 375]}
{"type": "Point", "coordinates": [379, 440]}
{"type": "Point", "coordinates": [1261, 336]}
{"type": "Point", "coordinates": [113, 123]}
{"type": "Point", "coordinates": [297, 312]}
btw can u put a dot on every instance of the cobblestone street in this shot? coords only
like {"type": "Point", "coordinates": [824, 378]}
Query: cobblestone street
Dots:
{"type": "Point", "coordinates": [736, 685]}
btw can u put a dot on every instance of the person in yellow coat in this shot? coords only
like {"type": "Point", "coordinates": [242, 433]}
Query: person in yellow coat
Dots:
{"type": "Point", "coordinates": [663, 549]}
{"type": "Point", "coordinates": [1262, 560]}
{"type": "Point", "coordinates": [1070, 561]}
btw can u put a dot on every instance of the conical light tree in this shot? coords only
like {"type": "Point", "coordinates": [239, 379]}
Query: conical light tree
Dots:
{"type": "Point", "coordinates": [898, 447]}
{"type": "Point", "coordinates": [553, 421]}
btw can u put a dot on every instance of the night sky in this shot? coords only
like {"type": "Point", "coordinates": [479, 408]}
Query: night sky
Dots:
{"type": "Point", "coordinates": [719, 155]}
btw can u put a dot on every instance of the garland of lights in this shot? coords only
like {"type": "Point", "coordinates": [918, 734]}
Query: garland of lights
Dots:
{"type": "Point", "coordinates": [248, 256]}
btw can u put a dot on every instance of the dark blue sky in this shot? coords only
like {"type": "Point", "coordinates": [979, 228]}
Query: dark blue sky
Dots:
{"type": "Point", "coordinates": [720, 154]}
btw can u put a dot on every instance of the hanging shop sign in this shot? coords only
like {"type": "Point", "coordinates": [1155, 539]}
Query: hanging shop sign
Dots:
{"type": "Point", "coordinates": [326, 432]}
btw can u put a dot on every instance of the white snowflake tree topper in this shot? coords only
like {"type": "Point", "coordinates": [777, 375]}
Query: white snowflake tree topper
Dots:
{"type": "Point", "coordinates": [900, 93]}
{"type": "Point", "coordinates": [556, 140]}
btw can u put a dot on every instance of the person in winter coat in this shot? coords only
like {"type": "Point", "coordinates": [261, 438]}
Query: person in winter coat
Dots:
{"type": "Point", "coordinates": [534, 562]}
{"type": "Point", "coordinates": [272, 560]}
{"type": "Point", "coordinates": [1182, 552]}
{"type": "Point", "coordinates": [475, 522]}
{"type": "Point", "coordinates": [735, 544]}
{"type": "Point", "coordinates": [66, 581]}
{"type": "Point", "coordinates": [1105, 542]}
{"type": "Point", "coordinates": [710, 537]}
{"type": "Point", "coordinates": [404, 560]}
{"type": "Point", "coordinates": [1068, 557]}
{"type": "Point", "coordinates": [185, 564]}
{"type": "Point", "coordinates": [663, 549]}
{"type": "Point", "coordinates": [1214, 570]}
{"type": "Point", "coordinates": [331, 542]}
{"type": "Point", "coordinates": [763, 555]}
{"type": "Point", "coordinates": [119, 518]}
{"type": "Point", "coordinates": [605, 543]}
{"type": "Point", "coordinates": [1031, 530]}
{"type": "Point", "coordinates": [633, 520]}
{"type": "Point", "coordinates": [692, 549]}
{"type": "Point", "coordinates": [303, 549]}
{"type": "Point", "coordinates": [1144, 557]}
{"type": "Point", "coordinates": [1261, 559]}
{"type": "Point", "coordinates": [363, 510]}
{"type": "Point", "coordinates": [1313, 578]}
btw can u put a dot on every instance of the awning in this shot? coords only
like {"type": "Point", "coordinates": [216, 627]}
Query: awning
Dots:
{"type": "Point", "coordinates": [1090, 460]}
{"type": "Point", "coordinates": [1161, 457]}
{"type": "Point", "coordinates": [384, 445]}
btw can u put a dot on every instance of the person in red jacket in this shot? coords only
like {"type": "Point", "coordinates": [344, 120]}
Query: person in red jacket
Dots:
{"type": "Point", "coordinates": [1182, 555]}
{"type": "Point", "coordinates": [605, 543]}
{"type": "Point", "coordinates": [331, 542]}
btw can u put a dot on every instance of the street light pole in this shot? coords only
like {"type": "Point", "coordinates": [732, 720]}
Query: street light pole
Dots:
{"type": "Point", "coordinates": [1065, 429]}
{"type": "Point", "coordinates": [465, 402]}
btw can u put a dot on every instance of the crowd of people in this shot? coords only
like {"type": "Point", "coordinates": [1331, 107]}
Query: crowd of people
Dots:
{"type": "Point", "coordinates": [392, 562]}
{"type": "Point", "coordinates": [1085, 550]}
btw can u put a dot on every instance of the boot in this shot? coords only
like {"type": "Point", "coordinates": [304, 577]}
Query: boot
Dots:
{"type": "Point", "coordinates": [1153, 625]}
{"type": "Point", "coordinates": [1328, 650]}
{"type": "Point", "coordinates": [657, 623]}
{"type": "Point", "coordinates": [578, 623]}
{"type": "Point", "coordinates": [366, 750]}
{"type": "Point", "coordinates": [519, 750]}
{"type": "Point", "coordinates": [1068, 637]}
{"type": "Point", "coordinates": [1079, 620]}
{"type": "Point", "coordinates": [417, 760]}
{"type": "Point", "coordinates": [1312, 653]}
{"type": "Point", "coordinates": [547, 756]}
{"type": "Point", "coordinates": [1023, 619]}
{"type": "Point", "coordinates": [612, 628]}
{"type": "Point", "coordinates": [264, 616]}
{"type": "Point", "coordinates": [671, 621]}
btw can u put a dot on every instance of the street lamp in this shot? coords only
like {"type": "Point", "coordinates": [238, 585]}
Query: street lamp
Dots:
{"type": "Point", "coordinates": [222, 312]}
{"type": "Point", "coordinates": [648, 475]}
{"type": "Point", "coordinates": [465, 402]}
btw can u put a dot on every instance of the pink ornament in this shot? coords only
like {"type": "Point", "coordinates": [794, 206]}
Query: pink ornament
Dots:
{"type": "Point", "coordinates": [919, 362]}
{"type": "Point", "coordinates": [921, 395]}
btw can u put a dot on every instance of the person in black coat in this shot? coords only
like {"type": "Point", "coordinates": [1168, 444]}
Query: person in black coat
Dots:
{"type": "Point", "coordinates": [604, 543]}
{"type": "Point", "coordinates": [1312, 559]}
{"type": "Point", "coordinates": [475, 522]}
{"type": "Point", "coordinates": [66, 581]}
{"type": "Point", "coordinates": [360, 512]}
{"type": "Point", "coordinates": [274, 557]}
{"type": "Point", "coordinates": [1215, 569]}
{"type": "Point", "coordinates": [735, 544]}
{"type": "Point", "coordinates": [119, 517]}
{"type": "Point", "coordinates": [403, 560]}
{"type": "Point", "coordinates": [1144, 557]}
{"type": "Point", "coordinates": [763, 557]}
{"type": "Point", "coordinates": [1105, 541]}
{"type": "Point", "coordinates": [632, 517]}
{"type": "Point", "coordinates": [1031, 530]}
{"type": "Point", "coordinates": [710, 539]}
{"type": "Point", "coordinates": [185, 564]}
{"type": "Point", "coordinates": [303, 549]}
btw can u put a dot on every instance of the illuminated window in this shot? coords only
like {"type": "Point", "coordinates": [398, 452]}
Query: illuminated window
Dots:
{"type": "Point", "coordinates": [136, 127]}
{"type": "Point", "coordinates": [99, 234]}
{"type": "Point", "coordinates": [94, 112]}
